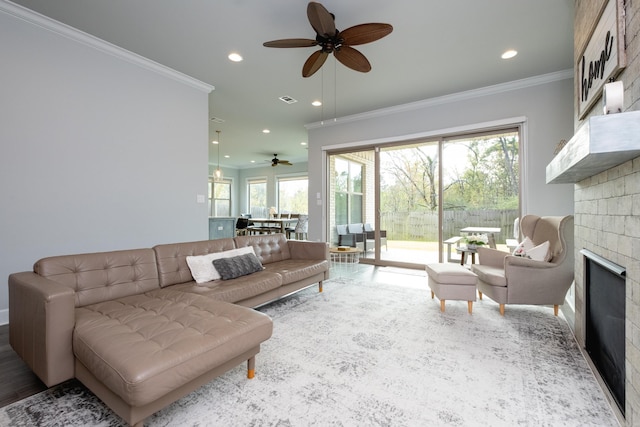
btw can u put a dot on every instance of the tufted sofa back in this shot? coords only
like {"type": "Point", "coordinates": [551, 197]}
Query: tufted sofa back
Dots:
{"type": "Point", "coordinates": [268, 247]}
{"type": "Point", "coordinates": [172, 258]}
{"type": "Point", "coordinates": [102, 276]}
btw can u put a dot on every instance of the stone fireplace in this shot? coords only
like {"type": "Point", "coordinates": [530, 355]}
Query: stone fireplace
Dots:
{"type": "Point", "coordinates": [602, 159]}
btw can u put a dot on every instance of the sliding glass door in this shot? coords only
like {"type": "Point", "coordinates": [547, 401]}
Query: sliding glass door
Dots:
{"type": "Point", "coordinates": [409, 188]}
{"type": "Point", "coordinates": [480, 189]}
{"type": "Point", "coordinates": [411, 204]}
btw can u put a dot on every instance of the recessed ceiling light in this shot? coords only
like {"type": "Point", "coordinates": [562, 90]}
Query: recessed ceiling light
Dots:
{"type": "Point", "coordinates": [235, 57]}
{"type": "Point", "coordinates": [253, 161]}
{"type": "Point", "coordinates": [509, 54]}
{"type": "Point", "coordinates": [303, 143]}
{"type": "Point", "coordinates": [226, 156]}
{"type": "Point", "coordinates": [316, 103]}
{"type": "Point", "coordinates": [214, 142]}
{"type": "Point", "coordinates": [265, 131]}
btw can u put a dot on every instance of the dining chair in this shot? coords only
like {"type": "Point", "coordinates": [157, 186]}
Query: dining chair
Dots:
{"type": "Point", "coordinates": [242, 224]}
{"type": "Point", "coordinates": [302, 227]}
{"type": "Point", "coordinates": [291, 228]}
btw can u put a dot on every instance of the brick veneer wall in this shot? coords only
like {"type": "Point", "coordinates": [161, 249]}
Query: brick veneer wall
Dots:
{"type": "Point", "coordinates": [607, 205]}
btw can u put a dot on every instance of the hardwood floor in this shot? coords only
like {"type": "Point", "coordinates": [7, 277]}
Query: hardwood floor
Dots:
{"type": "Point", "coordinates": [18, 382]}
{"type": "Point", "coordinates": [16, 379]}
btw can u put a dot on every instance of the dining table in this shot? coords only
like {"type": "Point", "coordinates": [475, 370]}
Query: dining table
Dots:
{"type": "Point", "coordinates": [280, 223]}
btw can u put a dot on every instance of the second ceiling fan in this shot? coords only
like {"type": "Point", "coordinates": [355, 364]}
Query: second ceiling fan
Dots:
{"type": "Point", "coordinates": [333, 41]}
{"type": "Point", "coordinates": [275, 161]}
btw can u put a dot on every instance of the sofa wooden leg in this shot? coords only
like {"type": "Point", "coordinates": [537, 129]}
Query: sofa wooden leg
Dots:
{"type": "Point", "coordinates": [501, 309]}
{"type": "Point", "coordinates": [555, 309]}
{"type": "Point", "coordinates": [251, 367]}
{"type": "Point", "coordinates": [442, 305]}
{"type": "Point", "coordinates": [479, 295]}
{"type": "Point", "coordinates": [470, 304]}
{"type": "Point", "coordinates": [320, 286]}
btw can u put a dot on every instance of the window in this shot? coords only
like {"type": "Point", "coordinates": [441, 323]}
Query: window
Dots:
{"type": "Point", "coordinates": [348, 191]}
{"type": "Point", "coordinates": [220, 198]}
{"type": "Point", "coordinates": [257, 190]}
{"type": "Point", "coordinates": [293, 195]}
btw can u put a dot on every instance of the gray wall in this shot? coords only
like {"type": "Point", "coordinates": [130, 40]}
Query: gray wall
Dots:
{"type": "Point", "coordinates": [97, 152]}
{"type": "Point", "coordinates": [545, 103]}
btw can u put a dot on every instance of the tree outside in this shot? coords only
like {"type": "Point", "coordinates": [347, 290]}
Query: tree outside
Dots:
{"type": "Point", "coordinates": [480, 179]}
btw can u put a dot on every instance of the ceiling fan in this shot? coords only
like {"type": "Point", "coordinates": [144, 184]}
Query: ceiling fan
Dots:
{"type": "Point", "coordinates": [275, 161]}
{"type": "Point", "coordinates": [333, 41]}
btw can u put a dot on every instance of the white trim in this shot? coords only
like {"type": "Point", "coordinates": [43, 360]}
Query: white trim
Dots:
{"type": "Point", "coordinates": [512, 121]}
{"type": "Point", "coordinates": [74, 34]}
{"type": "Point", "coordinates": [4, 316]}
{"type": "Point", "coordinates": [524, 168]}
{"type": "Point", "coordinates": [456, 97]}
{"type": "Point", "coordinates": [292, 175]}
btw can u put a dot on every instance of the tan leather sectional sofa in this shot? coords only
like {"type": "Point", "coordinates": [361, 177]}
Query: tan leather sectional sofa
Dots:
{"type": "Point", "coordinates": [138, 331]}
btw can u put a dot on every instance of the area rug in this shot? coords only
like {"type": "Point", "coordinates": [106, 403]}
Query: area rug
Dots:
{"type": "Point", "coordinates": [372, 354]}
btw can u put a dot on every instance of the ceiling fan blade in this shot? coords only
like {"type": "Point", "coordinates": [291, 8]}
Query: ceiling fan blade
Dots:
{"type": "Point", "coordinates": [291, 43]}
{"type": "Point", "coordinates": [285, 162]}
{"type": "Point", "coordinates": [314, 62]}
{"type": "Point", "coordinates": [320, 19]}
{"type": "Point", "coordinates": [365, 33]}
{"type": "Point", "coordinates": [353, 59]}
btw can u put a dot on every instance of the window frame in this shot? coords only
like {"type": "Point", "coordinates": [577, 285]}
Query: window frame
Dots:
{"type": "Point", "coordinates": [212, 199]}
{"type": "Point", "coordinates": [292, 177]}
{"type": "Point", "coordinates": [258, 212]}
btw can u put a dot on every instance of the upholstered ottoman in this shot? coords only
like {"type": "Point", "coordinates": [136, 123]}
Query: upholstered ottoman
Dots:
{"type": "Point", "coordinates": [452, 282]}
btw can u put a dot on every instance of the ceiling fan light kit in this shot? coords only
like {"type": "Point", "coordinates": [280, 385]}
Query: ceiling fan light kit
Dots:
{"type": "Point", "coordinates": [334, 41]}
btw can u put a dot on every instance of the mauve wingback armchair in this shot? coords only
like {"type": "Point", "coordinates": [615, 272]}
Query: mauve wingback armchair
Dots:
{"type": "Point", "coordinates": [509, 279]}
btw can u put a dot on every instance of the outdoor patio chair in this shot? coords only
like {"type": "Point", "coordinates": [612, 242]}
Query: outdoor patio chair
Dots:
{"type": "Point", "coordinates": [368, 229]}
{"type": "Point", "coordinates": [357, 230]}
{"type": "Point", "coordinates": [346, 238]}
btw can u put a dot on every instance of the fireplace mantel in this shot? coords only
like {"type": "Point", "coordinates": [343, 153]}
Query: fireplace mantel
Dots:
{"type": "Point", "coordinates": [600, 144]}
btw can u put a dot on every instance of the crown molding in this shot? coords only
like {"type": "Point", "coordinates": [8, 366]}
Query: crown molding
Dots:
{"type": "Point", "coordinates": [445, 99]}
{"type": "Point", "coordinates": [44, 22]}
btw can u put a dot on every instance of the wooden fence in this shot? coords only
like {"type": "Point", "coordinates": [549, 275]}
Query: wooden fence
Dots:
{"type": "Point", "coordinates": [423, 226]}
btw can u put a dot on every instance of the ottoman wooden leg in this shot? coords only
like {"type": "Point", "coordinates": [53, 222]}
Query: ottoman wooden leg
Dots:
{"type": "Point", "coordinates": [501, 309]}
{"type": "Point", "coordinates": [251, 367]}
{"type": "Point", "coordinates": [479, 294]}
{"type": "Point", "coordinates": [442, 305]}
{"type": "Point", "coordinates": [470, 304]}
{"type": "Point", "coordinates": [432, 294]}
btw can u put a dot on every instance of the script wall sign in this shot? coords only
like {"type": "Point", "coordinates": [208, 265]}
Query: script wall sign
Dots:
{"type": "Point", "coordinates": [603, 57]}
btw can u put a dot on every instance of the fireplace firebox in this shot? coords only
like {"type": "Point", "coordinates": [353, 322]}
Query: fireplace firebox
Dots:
{"type": "Point", "coordinates": [605, 322]}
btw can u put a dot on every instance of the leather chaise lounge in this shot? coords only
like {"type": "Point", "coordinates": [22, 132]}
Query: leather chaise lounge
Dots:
{"type": "Point", "coordinates": [137, 330]}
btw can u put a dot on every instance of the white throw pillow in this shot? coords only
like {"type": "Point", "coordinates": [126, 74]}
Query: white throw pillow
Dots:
{"type": "Point", "coordinates": [540, 252]}
{"type": "Point", "coordinates": [202, 268]}
{"type": "Point", "coordinates": [523, 247]}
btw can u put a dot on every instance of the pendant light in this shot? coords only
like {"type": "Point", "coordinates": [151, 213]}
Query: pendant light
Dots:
{"type": "Point", "coordinates": [217, 174]}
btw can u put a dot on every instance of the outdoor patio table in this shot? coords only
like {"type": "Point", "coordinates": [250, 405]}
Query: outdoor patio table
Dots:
{"type": "Point", "coordinates": [490, 231]}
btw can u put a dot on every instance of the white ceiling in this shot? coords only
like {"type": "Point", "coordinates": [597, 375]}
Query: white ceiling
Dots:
{"type": "Point", "coordinates": [437, 48]}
